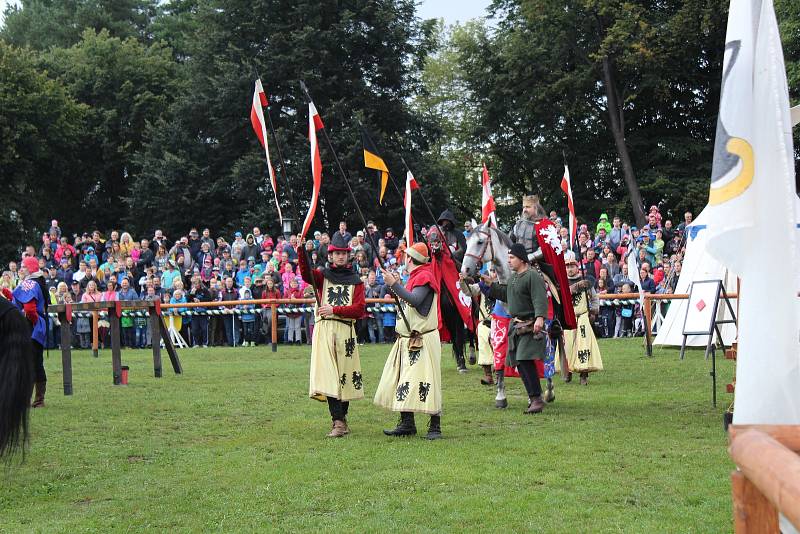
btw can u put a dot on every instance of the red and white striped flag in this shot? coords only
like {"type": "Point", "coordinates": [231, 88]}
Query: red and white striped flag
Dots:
{"type": "Point", "coordinates": [314, 124]}
{"type": "Point", "coordinates": [566, 186]}
{"type": "Point", "coordinates": [411, 184]}
{"type": "Point", "coordinates": [260, 127]}
{"type": "Point", "coordinates": [487, 200]}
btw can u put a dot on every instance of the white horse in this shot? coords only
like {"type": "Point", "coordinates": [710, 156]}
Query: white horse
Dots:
{"type": "Point", "coordinates": [486, 244]}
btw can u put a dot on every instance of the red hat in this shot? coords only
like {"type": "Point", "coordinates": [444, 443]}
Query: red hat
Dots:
{"type": "Point", "coordinates": [31, 264]}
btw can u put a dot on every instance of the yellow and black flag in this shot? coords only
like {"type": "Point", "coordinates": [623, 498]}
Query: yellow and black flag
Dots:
{"type": "Point", "coordinates": [373, 161]}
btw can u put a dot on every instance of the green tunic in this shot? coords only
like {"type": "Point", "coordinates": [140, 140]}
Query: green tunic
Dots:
{"type": "Point", "coordinates": [526, 296]}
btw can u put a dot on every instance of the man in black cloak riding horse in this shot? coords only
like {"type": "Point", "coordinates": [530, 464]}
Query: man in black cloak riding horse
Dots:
{"type": "Point", "coordinates": [455, 306]}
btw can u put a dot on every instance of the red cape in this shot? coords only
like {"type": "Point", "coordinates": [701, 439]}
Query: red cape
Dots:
{"type": "Point", "coordinates": [545, 232]}
{"type": "Point", "coordinates": [444, 270]}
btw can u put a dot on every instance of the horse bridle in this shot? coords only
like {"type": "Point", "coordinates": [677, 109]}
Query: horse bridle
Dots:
{"type": "Point", "coordinates": [487, 244]}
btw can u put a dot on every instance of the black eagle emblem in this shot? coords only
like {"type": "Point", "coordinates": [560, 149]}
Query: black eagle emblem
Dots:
{"type": "Point", "coordinates": [339, 295]}
{"type": "Point", "coordinates": [424, 388]}
{"type": "Point", "coordinates": [349, 347]}
{"type": "Point", "coordinates": [343, 379]}
{"type": "Point", "coordinates": [576, 298]}
{"type": "Point", "coordinates": [402, 391]}
{"type": "Point", "coordinates": [413, 356]}
{"type": "Point", "coordinates": [357, 384]}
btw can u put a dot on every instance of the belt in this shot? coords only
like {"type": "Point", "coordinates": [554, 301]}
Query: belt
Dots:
{"type": "Point", "coordinates": [418, 334]}
{"type": "Point", "coordinates": [348, 323]}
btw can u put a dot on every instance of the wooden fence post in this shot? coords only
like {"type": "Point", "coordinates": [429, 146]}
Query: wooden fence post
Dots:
{"type": "Point", "coordinates": [66, 350]}
{"type": "Point", "coordinates": [274, 312]}
{"type": "Point", "coordinates": [647, 316]}
{"type": "Point", "coordinates": [95, 336]}
{"type": "Point", "coordinates": [752, 512]}
{"type": "Point", "coordinates": [155, 340]}
{"type": "Point", "coordinates": [116, 349]}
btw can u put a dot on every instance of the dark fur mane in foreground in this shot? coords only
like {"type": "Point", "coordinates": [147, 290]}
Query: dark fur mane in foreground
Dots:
{"type": "Point", "coordinates": [16, 382]}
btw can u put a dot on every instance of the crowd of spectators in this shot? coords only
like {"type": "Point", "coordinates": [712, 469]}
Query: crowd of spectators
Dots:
{"type": "Point", "coordinates": [199, 268]}
{"type": "Point", "coordinates": [658, 248]}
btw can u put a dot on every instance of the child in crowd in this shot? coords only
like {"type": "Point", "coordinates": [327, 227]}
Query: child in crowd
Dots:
{"type": "Point", "coordinates": [627, 312]}
{"type": "Point", "coordinates": [389, 317]}
{"type": "Point", "coordinates": [248, 319]}
{"type": "Point", "coordinates": [180, 322]}
{"type": "Point", "coordinates": [294, 331]}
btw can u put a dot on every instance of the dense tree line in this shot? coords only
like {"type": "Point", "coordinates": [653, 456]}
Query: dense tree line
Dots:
{"type": "Point", "coordinates": [134, 113]}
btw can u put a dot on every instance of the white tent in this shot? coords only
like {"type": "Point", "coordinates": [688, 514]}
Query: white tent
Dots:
{"type": "Point", "coordinates": [698, 264]}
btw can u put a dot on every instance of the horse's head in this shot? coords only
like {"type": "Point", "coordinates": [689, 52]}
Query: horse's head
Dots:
{"type": "Point", "coordinates": [479, 250]}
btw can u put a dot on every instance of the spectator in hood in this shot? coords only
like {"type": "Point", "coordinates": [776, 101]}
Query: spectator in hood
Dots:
{"type": "Point", "coordinates": [603, 223]}
{"type": "Point", "coordinates": [250, 250]}
{"type": "Point", "coordinates": [392, 241]}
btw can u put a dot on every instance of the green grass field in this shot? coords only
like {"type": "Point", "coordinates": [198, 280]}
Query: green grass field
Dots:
{"type": "Point", "coordinates": [235, 445]}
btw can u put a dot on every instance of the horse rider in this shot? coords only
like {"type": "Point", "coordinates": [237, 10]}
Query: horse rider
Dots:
{"type": "Point", "coordinates": [452, 237]}
{"type": "Point", "coordinates": [524, 230]}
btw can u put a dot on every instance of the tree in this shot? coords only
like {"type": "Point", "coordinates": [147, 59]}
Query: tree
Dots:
{"type": "Point", "coordinates": [616, 86]}
{"type": "Point", "coordinates": [360, 59]}
{"type": "Point", "coordinates": [41, 129]}
{"type": "Point", "coordinates": [43, 24]}
{"type": "Point", "coordinates": [126, 84]}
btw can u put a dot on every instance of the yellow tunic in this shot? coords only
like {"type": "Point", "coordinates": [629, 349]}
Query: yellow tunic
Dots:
{"type": "Point", "coordinates": [412, 378]}
{"type": "Point", "coordinates": [583, 353]}
{"type": "Point", "coordinates": [335, 362]}
{"type": "Point", "coordinates": [485, 352]}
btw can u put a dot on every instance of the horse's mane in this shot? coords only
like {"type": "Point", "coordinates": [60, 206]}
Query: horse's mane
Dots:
{"type": "Point", "coordinates": [503, 237]}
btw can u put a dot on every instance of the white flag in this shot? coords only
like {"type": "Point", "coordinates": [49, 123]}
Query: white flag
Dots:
{"type": "Point", "coordinates": [633, 270]}
{"type": "Point", "coordinates": [751, 212]}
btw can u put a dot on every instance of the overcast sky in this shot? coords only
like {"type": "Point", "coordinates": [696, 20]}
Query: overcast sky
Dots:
{"type": "Point", "coordinates": [451, 11]}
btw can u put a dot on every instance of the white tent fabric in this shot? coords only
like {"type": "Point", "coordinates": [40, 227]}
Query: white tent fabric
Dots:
{"type": "Point", "coordinates": [698, 264]}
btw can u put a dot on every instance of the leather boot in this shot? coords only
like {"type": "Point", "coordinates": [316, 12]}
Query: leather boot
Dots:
{"type": "Point", "coordinates": [346, 426]}
{"type": "Point", "coordinates": [405, 427]}
{"type": "Point", "coordinates": [536, 405]}
{"type": "Point", "coordinates": [338, 429]}
{"type": "Point", "coordinates": [487, 379]}
{"type": "Point", "coordinates": [38, 398]}
{"type": "Point", "coordinates": [434, 428]}
{"type": "Point", "coordinates": [569, 378]}
{"type": "Point", "coordinates": [584, 379]}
